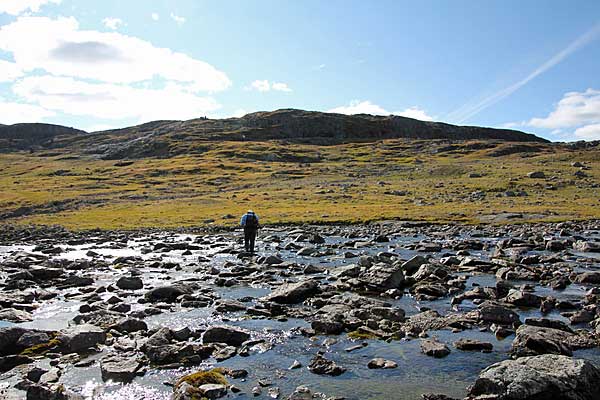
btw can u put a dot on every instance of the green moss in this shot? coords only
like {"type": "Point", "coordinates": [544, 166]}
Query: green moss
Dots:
{"type": "Point", "coordinates": [358, 335]}
{"type": "Point", "coordinates": [199, 378]}
{"type": "Point", "coordinates": [42, 348]}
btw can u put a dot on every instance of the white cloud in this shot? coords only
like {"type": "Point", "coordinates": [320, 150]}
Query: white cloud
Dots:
{"type": "Point", "coordinates": [471, 109]}
{"type": "Point", "coordinates": [360, 107]}
{"type": "Point", "coordinates": [178, 19]}
{"type": "Point", "coordinates": [265, 86]}
{"type": "Point", "coordinates": [16, 7]}
{"type": "Point", "coordinates": [366, 107]}
{"type": "Point", "coordinates": [12, 113]}
{"type": "Point", "coordinates": [112, 101]}
{"type": "Point", "coordinates": [574, 109]}
{"type": "Point", "coordinates": [588, 132]}
{"type": "Point", "coordinates": [261, 86]}
{"type": "Point", "coordinates": [112, 23]}
{"type": "Point", "coordinates": [414, 112]}
{"type": "Point", "coordinates": [155, 16]}
{"type": "Point", "coordinates": [9, 71]}
{"type": "Point", "coordinates": [281, 87]}
{"type": "Point", "coordinates": [59, 47]}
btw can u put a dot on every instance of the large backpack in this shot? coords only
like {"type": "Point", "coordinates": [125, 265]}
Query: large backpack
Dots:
{"type": "Point", "coordinates": [251, 221]}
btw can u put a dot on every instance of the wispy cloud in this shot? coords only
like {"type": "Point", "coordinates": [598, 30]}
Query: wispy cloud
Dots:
{"type": "Point", "coordinates": [469, 110]}
{"type": "Point", "coordinates": [178, 19]}
{"type": "Point", "coordinates": [155, 16]}
{"type": "Point", "coordinates": [16, 7]}
{"type": "Point", "coordinates": [266, 86]}
{"type": "Point", "coordinates": [112, 23]}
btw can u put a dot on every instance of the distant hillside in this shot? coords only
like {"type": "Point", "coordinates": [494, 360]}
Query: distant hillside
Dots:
{"type": "Point", "coordinates": [34, 136]}
{"type": "Point", "coordinates": [169, 138]}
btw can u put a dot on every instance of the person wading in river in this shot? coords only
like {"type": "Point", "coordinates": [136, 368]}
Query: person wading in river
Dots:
{"type": "Point", "coordinates": [250, 223]}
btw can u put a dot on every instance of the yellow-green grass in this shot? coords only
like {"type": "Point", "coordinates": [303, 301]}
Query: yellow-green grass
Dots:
{"type": "Point", "coordinates": [344, 183]}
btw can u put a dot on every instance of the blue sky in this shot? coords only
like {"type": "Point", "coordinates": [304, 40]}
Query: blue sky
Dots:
{"type": "Point", "coordinates": [529, 65]}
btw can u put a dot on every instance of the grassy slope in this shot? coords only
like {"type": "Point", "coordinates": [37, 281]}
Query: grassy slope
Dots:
{"type": "Point", "coordinates": [347, 185]}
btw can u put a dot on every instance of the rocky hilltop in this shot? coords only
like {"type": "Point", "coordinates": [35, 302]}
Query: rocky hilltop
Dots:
{"type": "Point", "coordinates": [28, 136]}
{"type": "Point", "coordinates": [168, 138]}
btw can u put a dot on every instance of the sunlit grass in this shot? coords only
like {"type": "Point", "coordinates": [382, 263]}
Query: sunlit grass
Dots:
{"type": "Point", "coordinates": [359, 182]}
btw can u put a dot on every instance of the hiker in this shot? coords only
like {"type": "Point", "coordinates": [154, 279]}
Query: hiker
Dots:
{"type": "Point", "coordinates": [250, 223]}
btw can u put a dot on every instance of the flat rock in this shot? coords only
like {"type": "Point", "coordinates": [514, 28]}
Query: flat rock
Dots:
{"type": "Point", "coordinates": [81, 338]}
{"type": "Point", "coordinates": [120, 367]}
{"type": "Point", "coordinates": [14, 315]}
{"type": "Point", "coordinates": [543, 377]}
{"type": "Point", "coordinates": [293, 293]}
{"type": "Point", "coordinates": [471, 344]}
{"type": "Point", "coordinates": [225, 334]}
{"type": "Point", "coordinates": [535, 340]}
{"type": "Point", "coordinates": [433, 348]}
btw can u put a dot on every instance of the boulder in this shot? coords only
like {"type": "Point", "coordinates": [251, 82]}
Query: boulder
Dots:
{"type": "Point", "coordinates": [225, 334]}
{"type": "Point", "coordinates": [327, 326]}
{"type": "Point", "coordinates": [8, 339]}
{"type": "Point", "coordinates": [381, 363]}
{"type": "Point", "coordinates": [586, 277]}
{"type": "Point", "coordinates": [293, 293]}
{"type": "Point", "coordinates": [130, 283]}
{"type": "Point", "coordinates": [534, 340]}
{"type": "Point", "coordinates": [494, 313]}
{"type": "Point", "coordinates": [32, 338]}
{"type": "Point", "coordinates": [14, 315]}
{"type": "Point", "coordinates": [521, 298]}
{"type": "Point", "coordinates": [536, 175]}
{"type": "Point", "coordinates": [543, 377]}
{"type": "Point", "coordinates": [120, 367]}
{"type": "Point", "coordinates": [412, 265]}
{"type": "Point", "coordinates": [587, 247]}
{"type": "Point", "coordinates": [473, 345]}
{"type": "Point", "coordinates": [433, 348]}
{"type": "Point", "coordinates": [381, 277]}
{"type": "Point", "coordinates": [128, 325]}
{"type": "Point", "coordinates": [81, 338]}
{"type": "Point", "coordinates": [168, 293]}
{"type": "Point", "coordinates": [321, 366]}
{"type": "Point", "coordinates": [9, 362]}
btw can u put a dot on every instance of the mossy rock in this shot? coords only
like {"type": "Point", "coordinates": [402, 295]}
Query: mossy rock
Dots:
{"type": "Point", "coordinates": [42, 348]}
{"type": "Point", "coordinates": [215, 375]}
{"type": "Point", "coordinates": [358, 335]}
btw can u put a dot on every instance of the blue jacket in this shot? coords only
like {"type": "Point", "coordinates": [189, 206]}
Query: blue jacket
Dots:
{"type": "Point", "coordinates": [245, 216]}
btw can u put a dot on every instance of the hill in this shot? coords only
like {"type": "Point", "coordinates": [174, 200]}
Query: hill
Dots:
{"type": "Point", "coordinates": [32, 136]}
{"type": "Point", "coordinates": [170, 138]}
{"type": "Point", "coordinates": [291, 166]}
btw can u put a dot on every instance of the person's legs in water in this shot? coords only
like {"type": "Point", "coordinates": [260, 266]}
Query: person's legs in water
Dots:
{"type": "Point", "coordinates": [247, 235]}
{"type": "Point", "coordinates": [252, 240]}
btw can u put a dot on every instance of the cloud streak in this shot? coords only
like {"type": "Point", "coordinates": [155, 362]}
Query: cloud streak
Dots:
{"type": "Point", "coordinates": [468, 111]}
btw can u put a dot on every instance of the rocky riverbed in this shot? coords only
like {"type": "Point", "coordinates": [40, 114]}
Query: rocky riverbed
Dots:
{"type": "Point", "coordinates": [381, 311]}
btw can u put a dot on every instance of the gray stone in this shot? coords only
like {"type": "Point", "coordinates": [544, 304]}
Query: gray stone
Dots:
{"type": "Point", "coordinates": [130, 283]}
{"type": "Point", "coordinates": [544, 377]}
{"type": "Point", "coordinates": [433, 348]}
{"type": "Point", "coordinates": [381, 277]}
{"type": "Point", "coordinates": [14, 315]}
{"type": "Point", "coordinates": [81, 338]}
{"type": "Point", "coordinates": [225, 334]}
{"type": "Point", "coordinates": [292, 293]}
{"type": "Point", "coordinates": [120, 367]}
